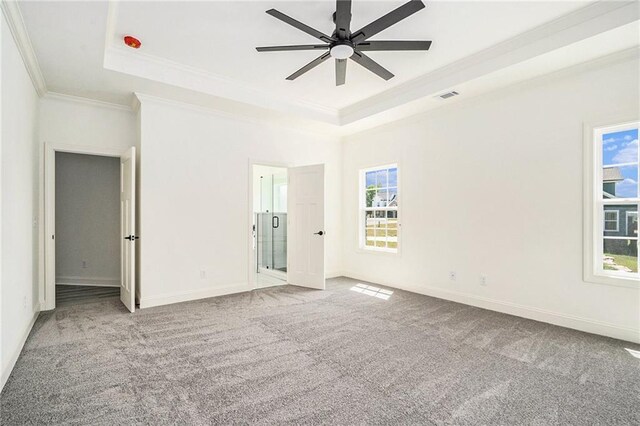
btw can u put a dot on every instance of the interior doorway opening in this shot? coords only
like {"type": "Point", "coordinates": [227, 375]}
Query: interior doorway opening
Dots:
{"type": "Point", "coordinates": [76, 200]}
{"type": "Point", "coordinates": [270, 223]}
{"type": "Point", "coordinates": [87, 223]}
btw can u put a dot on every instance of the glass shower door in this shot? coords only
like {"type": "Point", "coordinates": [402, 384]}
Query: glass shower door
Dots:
{"type": "Point", "coordinates": [271, 226]}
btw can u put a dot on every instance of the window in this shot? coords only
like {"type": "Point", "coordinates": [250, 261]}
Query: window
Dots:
{"type": "Point", "coordinates": [613, 256]}
{"type": "Point", "coordinates": [611, 220]}
{"type": "Point", "coordinates": [379, 198]}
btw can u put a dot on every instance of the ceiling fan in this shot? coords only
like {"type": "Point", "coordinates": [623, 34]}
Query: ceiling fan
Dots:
{"type": "Point", "coordinates": [344, 44]}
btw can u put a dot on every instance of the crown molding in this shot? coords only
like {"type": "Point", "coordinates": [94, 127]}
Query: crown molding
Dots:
{"type": "Point", "coordinates": [86, 101]}
{"type": "Point", "coordinates": [275, 119]}
{"type": "Point", "coordinates": [18, 30]}
{"type": "Point", "coordinates": [578, 25]}
{"type": "Point", "coordinates": [169, 72]}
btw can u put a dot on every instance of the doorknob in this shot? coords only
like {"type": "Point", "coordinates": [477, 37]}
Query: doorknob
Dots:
{"type": "Point", "coordinates": [319, 233]}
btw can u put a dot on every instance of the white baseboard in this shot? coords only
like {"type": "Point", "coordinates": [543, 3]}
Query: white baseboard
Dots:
{"type": "Point", "coordinates": [89, 281]}
{"type": "Point", "coordinates": [185, 296]}
{"type": "Point", "coordinates": [333, 274]}
{"type": "Point", "coordinates": [16, 353]}
{"type": "Point", "coordinates": [529, 312]}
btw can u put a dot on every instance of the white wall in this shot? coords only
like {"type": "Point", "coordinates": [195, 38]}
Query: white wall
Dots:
{"type": "Point", "coordinates": [87, 219]}
{"type": "Point", "coordinates": [19, 286]}
{"type": "Point", "coordinates": [494, 186]}
{"type": "Point", "coordinates": [65, 120]}
{"type": "Point", "coordinates": [195, 200]}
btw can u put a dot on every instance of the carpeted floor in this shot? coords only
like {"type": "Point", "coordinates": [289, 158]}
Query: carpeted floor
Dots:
{"type": "Point", "coordinates": [347, 355]}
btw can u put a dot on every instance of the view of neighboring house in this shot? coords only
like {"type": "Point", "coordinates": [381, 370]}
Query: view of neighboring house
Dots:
{"type": "Point", "coordinates": [620, 220]}
{"type": "Point", "coordinates": [380, 200]}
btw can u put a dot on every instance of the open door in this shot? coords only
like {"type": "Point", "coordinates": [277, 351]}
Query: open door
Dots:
{"type": "Point", "coordinates": [128, 228]}
{"type": "Point", "coordinates": [305, 237]}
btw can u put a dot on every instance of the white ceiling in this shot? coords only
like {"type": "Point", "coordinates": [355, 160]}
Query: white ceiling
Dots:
{"type": "Point", "coordinates": [204, 52]}
{"type": "Point", "coordinates": [220, 38]}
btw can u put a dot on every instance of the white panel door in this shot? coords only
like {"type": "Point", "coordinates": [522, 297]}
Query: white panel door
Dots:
{"type": "Point", "coordinates": [305, 232]}
{"type": "Point", "coordinates": [128, 228]}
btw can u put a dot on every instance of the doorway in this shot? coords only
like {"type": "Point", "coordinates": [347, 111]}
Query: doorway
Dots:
{"type": "Point", "coordinates": [87, 257]}
{"type": "Point", "coordinates": [87, 221]}
{"type": "Point", "coordinates": [270, 225]}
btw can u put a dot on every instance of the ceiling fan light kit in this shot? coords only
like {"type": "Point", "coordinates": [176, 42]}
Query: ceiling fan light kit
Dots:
{"type": "Point", "coordinates": [341, 51]}
{"type": "Point", "coordinates": [343, 44]}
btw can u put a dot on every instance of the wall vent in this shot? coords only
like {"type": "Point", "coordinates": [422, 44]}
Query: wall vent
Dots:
{"type": "Point", "coordinates": [448, 95]}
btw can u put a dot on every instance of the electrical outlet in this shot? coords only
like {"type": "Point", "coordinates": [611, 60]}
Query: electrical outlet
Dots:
{"type": "Point", "coordinates": [483, 280]}
{"type": "Point", "coordinates": [203, 274]}
{"type": "Point", "coordinates": [35, 223]}
{"type": "Point", "coordinates": [24, 302]}
{"type": "Point", "coordinates": [452, 275]}
{"type": "Point", "coordinates": [84, 264]}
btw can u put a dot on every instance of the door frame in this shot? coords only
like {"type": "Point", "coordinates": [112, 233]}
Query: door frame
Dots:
{"type": "Point", "coordinates": [251, 279]}
{"type": "Point", "coordinates": [48, 298]}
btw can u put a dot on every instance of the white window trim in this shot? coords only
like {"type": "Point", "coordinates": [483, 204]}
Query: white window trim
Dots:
{"type": "Point", "coordinates": [362, 247]}
{"type": "Point", "coordinates": [617, 220]}
{"type": "Point", "coordinates": [593, 271]}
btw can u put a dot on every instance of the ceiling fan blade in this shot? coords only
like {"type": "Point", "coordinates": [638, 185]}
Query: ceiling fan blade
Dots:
{"type": "Point", "coordinates": [343, 19]}
{"type": "Point", "coordinates": [341, 71]}
{"type": "Point", "coordinates": [309, 66]}
{"type": "Point", "coordinates": [371, 65]}
{"type": "Point", "coordinates": [371, 46]}
{"type": "Point", "coordinates": [296, 47]}
{"type": "Point", "coordinates": [299, 25]}
{"type": "Point", "coordinates": [387, 20]}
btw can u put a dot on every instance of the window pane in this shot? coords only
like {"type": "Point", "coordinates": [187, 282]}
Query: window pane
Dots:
{"type": "Point", "coordinates": [370, 179]}
{"type": "Point", "coordinates": [370, 195]}
{"type": "Point", "coordinates": [381, 178]}
{"type": "Point", "coordinates": [393, 177]}
{"type": "Point", "coordinates": [369, 232]}
{"type": "Point", "coordinates": [393, 197]}
{"type": "Point", "coordinates": [392, 226]}
{"type": "Point", "coordinates": [620, 147]}
{"type": "Point", "coordinates": [368, 219]}
{"type": "Point", "coordinates": [380, 198]}
{"type": "Point", "coordinates": [620, 181]}
{"type": "Point", "coordinates": [620, 255]}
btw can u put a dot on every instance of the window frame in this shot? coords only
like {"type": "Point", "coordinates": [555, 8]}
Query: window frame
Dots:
{"type": "Point", "coordinates": [362, 209]}
{"type": "Point", "coordinates": [593, 212]}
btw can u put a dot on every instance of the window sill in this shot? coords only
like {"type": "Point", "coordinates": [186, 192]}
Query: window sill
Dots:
{"type": "Point", "coordinates": [378, 251]}
{"type": "Point", "coordinates": [617, 281]}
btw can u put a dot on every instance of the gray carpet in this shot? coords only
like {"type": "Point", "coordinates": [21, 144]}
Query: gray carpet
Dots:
{"type": "Point", "coordinates": [289, 355]}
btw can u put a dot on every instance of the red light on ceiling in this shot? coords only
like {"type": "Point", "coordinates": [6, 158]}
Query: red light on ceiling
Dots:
{"type": "Point", "coordinates": [132, 42]}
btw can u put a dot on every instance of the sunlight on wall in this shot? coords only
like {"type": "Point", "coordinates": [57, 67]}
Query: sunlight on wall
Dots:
{"type": "Point", "coordinates": [370, 290]}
